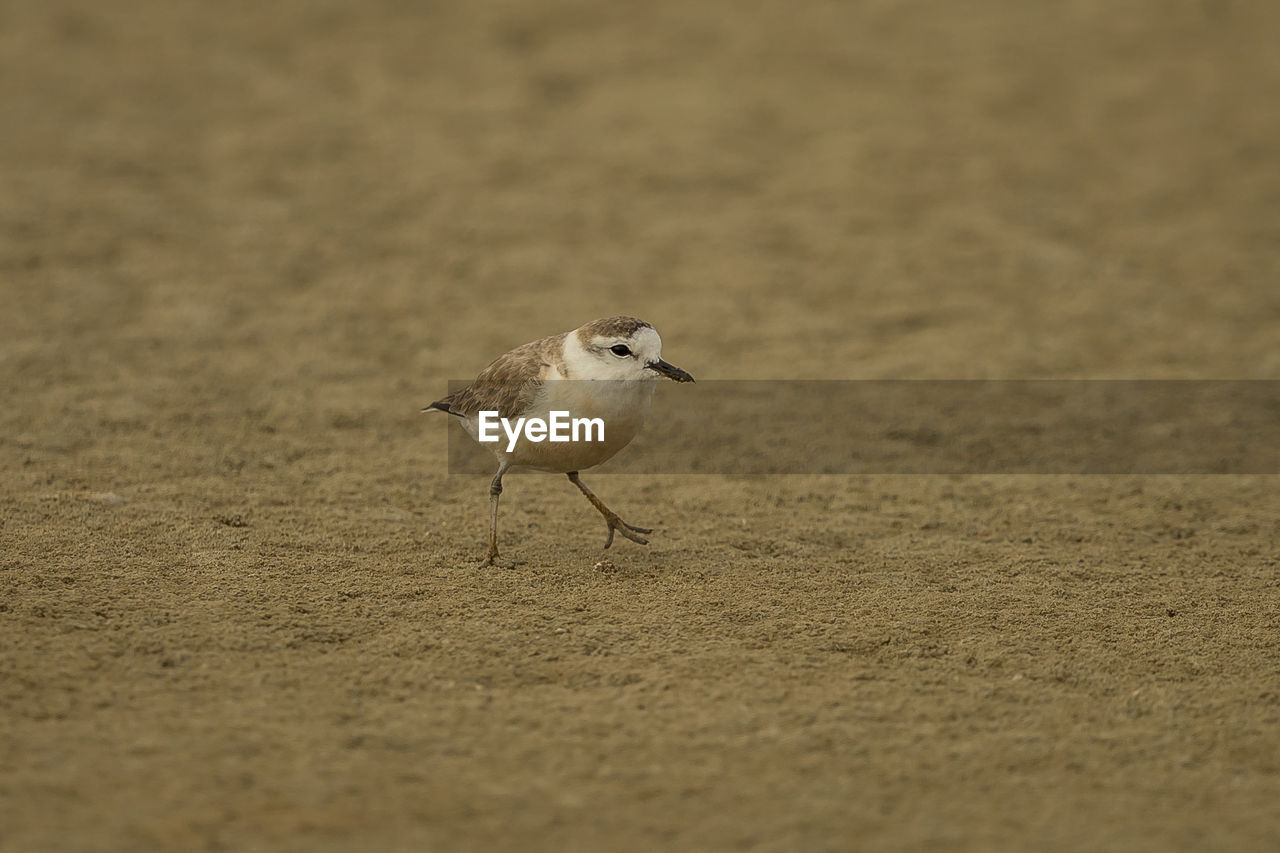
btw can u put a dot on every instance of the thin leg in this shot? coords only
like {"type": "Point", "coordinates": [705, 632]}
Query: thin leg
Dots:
{"type": "Point", "coordinates": [611, 518]}
{"type": "Point", "coordinates": [495, 492]}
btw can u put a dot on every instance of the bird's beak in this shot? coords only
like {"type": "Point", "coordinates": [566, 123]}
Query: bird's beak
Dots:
{"type": "Point", "coordinates": [669, 370]}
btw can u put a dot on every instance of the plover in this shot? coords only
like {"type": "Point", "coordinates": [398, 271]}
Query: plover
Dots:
{"type": "Point", "coordinates": [603, 370]}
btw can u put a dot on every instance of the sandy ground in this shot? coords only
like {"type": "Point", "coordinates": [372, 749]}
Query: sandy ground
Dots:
{"type": "Point", "coordinates": [241, 244]}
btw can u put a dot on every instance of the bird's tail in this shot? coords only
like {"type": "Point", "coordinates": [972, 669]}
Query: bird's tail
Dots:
{"type": "Point", "coordinates": [444, 405]}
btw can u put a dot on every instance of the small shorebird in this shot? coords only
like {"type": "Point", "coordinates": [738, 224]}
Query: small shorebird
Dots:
{"type": "Point", "coordinates": [618, 357]}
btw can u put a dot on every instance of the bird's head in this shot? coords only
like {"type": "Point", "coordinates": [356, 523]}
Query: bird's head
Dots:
{"type": "Point", "coordinates": [625, 349]}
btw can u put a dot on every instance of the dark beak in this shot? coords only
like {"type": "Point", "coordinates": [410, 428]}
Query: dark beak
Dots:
{"type": "Point", "coordinates": [669, 370]}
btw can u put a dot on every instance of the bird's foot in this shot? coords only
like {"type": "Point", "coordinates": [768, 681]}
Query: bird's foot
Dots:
{"type": "Point", "coordinates": [493, 561]}
{"type": "Point", "coordinates": [628, 531]}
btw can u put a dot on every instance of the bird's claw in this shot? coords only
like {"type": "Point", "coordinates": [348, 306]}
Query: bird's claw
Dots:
{"type": "Point", "coordinates": [628, 531]}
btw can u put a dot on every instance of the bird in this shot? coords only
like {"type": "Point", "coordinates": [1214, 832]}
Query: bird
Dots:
{"type": "Point", "coordinates": [604, 371]}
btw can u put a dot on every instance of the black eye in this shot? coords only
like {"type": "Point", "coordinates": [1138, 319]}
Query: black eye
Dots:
{"type": "Point", "coordinates": [620, 350]}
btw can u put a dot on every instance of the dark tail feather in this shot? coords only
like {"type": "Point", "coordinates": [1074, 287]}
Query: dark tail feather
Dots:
{"type": "Point", "coordinates": [444, 406]}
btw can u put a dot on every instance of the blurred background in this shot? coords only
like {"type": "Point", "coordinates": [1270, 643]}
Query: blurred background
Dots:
{"type": "Point", "coordinates": [822, 190]}
{"type": "Point", "coordinates": [242, 243]}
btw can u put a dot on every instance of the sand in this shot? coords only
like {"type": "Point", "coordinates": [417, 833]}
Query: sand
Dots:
{"type": "Point", "coordinates": [242, 244]}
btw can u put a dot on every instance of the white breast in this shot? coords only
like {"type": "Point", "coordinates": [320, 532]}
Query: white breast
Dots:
{"type": "Point", "coordinates": [622, 406]}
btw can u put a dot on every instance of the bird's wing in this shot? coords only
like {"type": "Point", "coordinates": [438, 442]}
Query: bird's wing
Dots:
{"type": "Point", "coordinates": [508, 385]}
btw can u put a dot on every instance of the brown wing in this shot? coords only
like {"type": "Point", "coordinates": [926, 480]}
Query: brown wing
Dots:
{"type": "Point", "coordinates": [508, 385]}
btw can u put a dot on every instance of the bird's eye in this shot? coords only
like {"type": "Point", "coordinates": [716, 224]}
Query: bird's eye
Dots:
{"type": "Point", "coordinates": [620, 350]}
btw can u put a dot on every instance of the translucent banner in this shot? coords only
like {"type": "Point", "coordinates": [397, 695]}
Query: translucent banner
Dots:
{"type": "Point", "coordinates": [924, 427]}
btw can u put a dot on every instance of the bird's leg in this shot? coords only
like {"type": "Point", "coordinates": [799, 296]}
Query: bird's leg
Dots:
{"type": "Point", "coordinates": [611, 518]}
{"type": "Point", "coordinates": [495, 492]}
